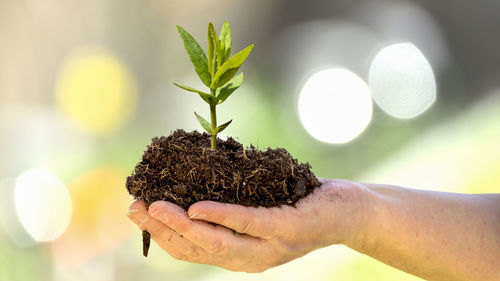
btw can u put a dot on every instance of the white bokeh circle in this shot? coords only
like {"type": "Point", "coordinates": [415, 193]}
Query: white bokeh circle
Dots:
{"type": "Point", "coordinates": [43, 204]}
{"type": "Point", "coordinates": [335, 105]}
{"type": "Point", "coordinates": [402, 81]}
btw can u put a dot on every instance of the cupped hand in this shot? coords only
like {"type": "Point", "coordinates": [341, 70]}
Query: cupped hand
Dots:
{"type": "Point", "coordinates": [252, 239]}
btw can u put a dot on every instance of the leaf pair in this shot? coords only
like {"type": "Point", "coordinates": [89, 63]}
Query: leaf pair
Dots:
{"type": "Point", "coordinates": [208, 127]}
{"type": "Point", "coordinates": [221, 94]}
{"type": "Point", "coordinates": [218, 69]}
{"type": "Point", "coordinates": [229, 68]}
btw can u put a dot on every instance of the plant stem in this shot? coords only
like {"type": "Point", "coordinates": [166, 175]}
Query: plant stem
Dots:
{"type": "Point", "coordinates": [213, 117]}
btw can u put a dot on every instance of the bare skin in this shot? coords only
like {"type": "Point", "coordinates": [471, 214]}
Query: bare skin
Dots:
{"type": "Point", "coordinates": [434, 235]}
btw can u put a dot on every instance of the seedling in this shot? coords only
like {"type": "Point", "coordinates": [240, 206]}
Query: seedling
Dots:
{"type": "Point", "coordinates": [217, 73]}
{"type": "Point", "coordinates": [171, 168]}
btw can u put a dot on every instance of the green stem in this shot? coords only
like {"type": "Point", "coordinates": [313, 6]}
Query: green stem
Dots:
{"type": "Point", "coordinates": [213, 117]}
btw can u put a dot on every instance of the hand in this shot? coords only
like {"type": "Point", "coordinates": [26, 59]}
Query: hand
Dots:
{"type": "Point", "coordinates": [251, 239]}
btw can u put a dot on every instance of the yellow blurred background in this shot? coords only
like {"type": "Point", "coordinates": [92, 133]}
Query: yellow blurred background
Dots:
{"type": "Point", "coordinates": [399, 92]}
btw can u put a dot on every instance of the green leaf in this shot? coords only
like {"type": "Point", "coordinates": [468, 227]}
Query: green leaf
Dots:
{"type": "Point", "coordinates": [212, 49]}
{"type": "Point", "coordinates": [226, 90]}
{"type": "Point", "coordinates": [223, 126]}
{"type": "Point", "coordinates": [204, 123]}
{"type": "Point", "coordinates": [225, 40]}
{"type": "Point", "coordinates": [220, 54]}
{"type": "Point", "coordinates": [227, 76]}
{"type": "Point", "coordinates": [230, 67]}
{"type": "Point", "coordinates": [225, 34]}
{"type": "Point", "coordinates": [226, 54]}
{"type": "Point", "coordinates": [210, 99]}
{"type": "Point", "coordinates": [197, 56]}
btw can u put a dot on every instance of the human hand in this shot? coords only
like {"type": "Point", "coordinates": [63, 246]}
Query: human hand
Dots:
{"type": "Point", "coordinates": [252, 239]}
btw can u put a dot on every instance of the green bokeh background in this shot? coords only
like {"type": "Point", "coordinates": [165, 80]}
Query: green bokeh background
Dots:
{"type": "Point", "coordinates": [454, 146]}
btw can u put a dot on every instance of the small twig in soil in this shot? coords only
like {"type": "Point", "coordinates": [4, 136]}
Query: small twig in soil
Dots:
{"type": "Point", "coordinates": [146, 241]}
{"type": "Point", "coordinates": [267, 191]}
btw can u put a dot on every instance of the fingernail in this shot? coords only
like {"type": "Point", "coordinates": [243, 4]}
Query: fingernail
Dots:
{"type": "Point", "coordinates": [131, 212]}
{"type": "Point", "coordinates": [155, 214]}
{"type": "Point", "coordinates": [158, 214]}
{"type": "Point", "coordinates": [137, 217]}
{"type": "Point", "coordinates": [198, 216]}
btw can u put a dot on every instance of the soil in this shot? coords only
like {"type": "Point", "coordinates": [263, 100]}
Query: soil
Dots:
{"type": "Point", "coordinates": [182, 169]}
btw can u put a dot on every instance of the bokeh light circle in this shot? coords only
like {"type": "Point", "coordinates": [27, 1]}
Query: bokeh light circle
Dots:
{"type": "Point", "coordinates": [96, 90]}
{"type": "Point", "coordinates": [43, 204]}
{"type": "Point", "coordinates": [335, 105]}
{"type": "Point", "coordinates": [402, 81]}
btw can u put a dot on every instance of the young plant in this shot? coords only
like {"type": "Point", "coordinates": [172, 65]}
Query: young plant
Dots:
{"type": "Point", "coordinates": [217, 72]}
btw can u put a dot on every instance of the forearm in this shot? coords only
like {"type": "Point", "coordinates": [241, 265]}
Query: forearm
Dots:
{"type": "Point", "coordinates": [434, 235]}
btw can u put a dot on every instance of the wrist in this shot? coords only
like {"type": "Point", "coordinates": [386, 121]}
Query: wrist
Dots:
{"type": "Point", "coordinates": [373, 210]}
{"type": "Point", "coordinates": [350, 211]}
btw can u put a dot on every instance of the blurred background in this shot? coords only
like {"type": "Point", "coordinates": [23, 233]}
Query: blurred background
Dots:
{"type": "Point", "coordinates": [400, 92]}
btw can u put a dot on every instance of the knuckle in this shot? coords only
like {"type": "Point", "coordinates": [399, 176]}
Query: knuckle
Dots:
{"type": "Point", "coordinates": [154, 229]}
{"type": "Point", "coordinates": [182, 228]}
{"type": "Point", "coordinates": [193, 253]}
{"type": "Point", "coordinates": [247, 226]}
{"type": "Point", "coordinates": [220, 218]}
{"type": "Point", "coordinates": [217, 247]}
{"type": "Point", "coordinates": [283, 248]}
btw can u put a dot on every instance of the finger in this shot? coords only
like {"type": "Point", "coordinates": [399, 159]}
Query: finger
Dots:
{"type": "Point", "coordinates": [221, 245]}
{"type": "Point", "coordinates": [138, 213]}
{"type": "Point", "coordinates": [165, 237]}
{"type": "Point", "coordinates": [258, 222]}
{"type": "Point", "coordinates": [213, 238]}
{"type": "Point", "coordinates": [140, 216]}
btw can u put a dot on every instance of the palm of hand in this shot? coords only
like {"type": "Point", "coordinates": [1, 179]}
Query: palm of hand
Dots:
{"type": "Point", "coordinates": [251, 239]}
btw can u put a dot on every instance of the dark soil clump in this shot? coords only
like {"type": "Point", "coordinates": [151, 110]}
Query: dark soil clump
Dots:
{"type": "Point", "coordinates": [182, 169]}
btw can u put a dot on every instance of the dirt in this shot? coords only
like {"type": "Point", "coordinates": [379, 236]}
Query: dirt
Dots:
{"type": "Point", "coordinates": [182, 169]}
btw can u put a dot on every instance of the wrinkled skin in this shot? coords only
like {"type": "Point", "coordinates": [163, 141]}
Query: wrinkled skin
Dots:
{"type": "Point", "coordinates": [251, 239]}
{"type": "Point", "coordinates": [433, 235]}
